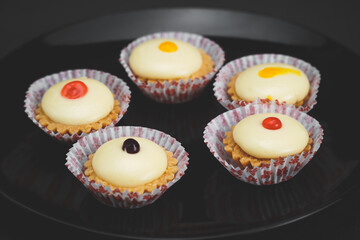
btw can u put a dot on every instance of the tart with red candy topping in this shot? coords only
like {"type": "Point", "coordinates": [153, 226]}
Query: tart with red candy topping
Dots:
{"type": "Point", "coordinates": [258, 138]}
{"type": "Point", "coordinates": [77, 105]}
{"type": "Point", "coordinates": [71, 104]}
{"type": "Point", "coordinates": [265, 143]}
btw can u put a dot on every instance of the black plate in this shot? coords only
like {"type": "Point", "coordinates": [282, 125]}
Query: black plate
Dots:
{"type": "Point", "coordinates": [207, 201]}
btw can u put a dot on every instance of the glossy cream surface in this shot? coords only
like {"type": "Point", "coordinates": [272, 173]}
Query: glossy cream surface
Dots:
{"type": "Point", "coordinates": [273, 81]}
{"type": "Point", "coordinates": [94, 105]}
{"type": "Point", "coordinates": [165, 59]}
{"type": "Point", "coordinates": [260, 142]}
{"type": "Point", "coordinates": [123, 169]}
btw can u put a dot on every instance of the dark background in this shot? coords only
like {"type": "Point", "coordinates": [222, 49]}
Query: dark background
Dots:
{"type": "Point", "coordinates": [21, 21]}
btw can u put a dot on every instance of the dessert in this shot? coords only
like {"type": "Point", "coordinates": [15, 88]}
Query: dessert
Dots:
{"type": "Point", "coordinates": [169, 59]}
{"type": "Point", "coordinates": [77, 105]}
{"type": "Point", "coordinates": [172, 67]}
{"type": "Point", "coordinates": [273, 81]}
{"type": "Point", "coordinates": [264, 143]}
{"type": "Point", "coordinates": [131, 164]}
{"type": "Point", "coordinates": [127, 167]}
{"type": "Point", "coordinates": [260, 137]}
{"type": "Point", "coordinates": [73, 103]}
{"type": "Point", "coordinates": [263, 78]}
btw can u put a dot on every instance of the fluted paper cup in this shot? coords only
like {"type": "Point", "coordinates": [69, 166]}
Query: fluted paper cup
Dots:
{"type": "Point", "coordinates": [279, 169]}
{"type": "Point", "coordinates": [78, 155]}
{"type": "Point", "coordinates": [238, 65]}
{"type": "Point", "coordinates": [175, 91]}
{"type": "Point", "coordinates": [38, 88]}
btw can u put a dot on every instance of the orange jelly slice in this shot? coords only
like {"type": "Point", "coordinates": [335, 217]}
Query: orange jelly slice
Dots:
{"type": "Point", "coordinates": [270, 72]}
{"type": "Point", "coordinates": [168, 47]}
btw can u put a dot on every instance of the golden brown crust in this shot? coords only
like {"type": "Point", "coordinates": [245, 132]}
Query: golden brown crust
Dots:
{"type": "Point", "coordinates": [45, 121]}
{"type": "Point", "coordinates": [231, 91]}
{"type": "Point", "coordinates": [243, 159]}
{"type": "Point", "coordinates": [206, 67]}
{"type": "Point", "coordinates": [167, 176]}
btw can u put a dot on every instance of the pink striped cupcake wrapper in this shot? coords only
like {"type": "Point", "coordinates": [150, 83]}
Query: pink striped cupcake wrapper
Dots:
{"type": "Point", "coordinates": [79, 152]}
{"type": "Point", "coordinates": [240, 64]}
{"type": "Point", "coordinates": [280, 169]}
{"type": "Point", "coordinates": [38, 88]}
{"type": "Point", "coordinates": [184, 89]}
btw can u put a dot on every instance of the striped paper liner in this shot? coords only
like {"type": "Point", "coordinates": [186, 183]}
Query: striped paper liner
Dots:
{"type": "Point", "coordinates": [184, 89]}
{"type": "Point", "coordinates": [38, 88]}
{"type": "Point", "coordinates": [280, 169]}
{"type": "Point", "coordinates": [79, 152]}
{"type": "Point", "coordinates": [240, 64]}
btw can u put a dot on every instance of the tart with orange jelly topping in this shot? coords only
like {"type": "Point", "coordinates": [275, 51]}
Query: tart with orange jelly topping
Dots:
{"type": "Point", "coordinates": [169, 59]}
{"type": "Point", "coordinates": [78, 105]}
{"type": "Point", "coordinates": [172, 67]}
{"type": "Point", "coordinates": [132, 164]}
{"type": "Point", "coordinates": [258, 138]}
{"type": "Point", "coordinates": [273, 81]}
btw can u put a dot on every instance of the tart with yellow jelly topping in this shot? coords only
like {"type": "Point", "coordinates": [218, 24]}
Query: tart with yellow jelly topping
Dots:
{"type": "Point", "coordinates": [172, 67]}
{"type": "Point", "coordinates": [131, 164]}
{"type": "Point", "coordinates": [273, 81]}
{"type": "Point", "coordinates": [73, 103]}
{"type": "Point", "coordinates": [264, 78]}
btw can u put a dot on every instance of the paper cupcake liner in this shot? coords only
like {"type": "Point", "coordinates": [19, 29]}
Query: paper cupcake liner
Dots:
{"type": "Point", "coordinates": [78, 155]}
{"type": "Point", "coordinates": [240, 64]}
{"type": "Point", "coordinates": [184, 89]}
{"type": "Point", "coordinates": [38, 88]}
{"type": "Point", "coordinates": [280, 169]}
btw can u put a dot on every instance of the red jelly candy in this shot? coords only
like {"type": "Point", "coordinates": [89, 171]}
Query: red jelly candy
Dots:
{"type": "Point", "coordinates": [74, 90]}
{"type": "Point", "coordinates": [272, 123]}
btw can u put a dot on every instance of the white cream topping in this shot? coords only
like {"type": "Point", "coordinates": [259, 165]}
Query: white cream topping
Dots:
{"type": "Point", "coordinates": [148, 60]}
{"type": "Point", "coordinates": [260, 142]}
{"type": "Point", "coordinates": [123, 169]}
{"type": "Point", "coordinates": [94, 105]}
{"type": "Point", "coordinates": [288, 87]}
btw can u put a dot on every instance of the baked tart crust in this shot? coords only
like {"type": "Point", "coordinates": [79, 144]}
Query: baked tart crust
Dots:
{"type": "Point", "coordinates": [167, 176]}
{"type": "Point", "coordinates": [45, 121]}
